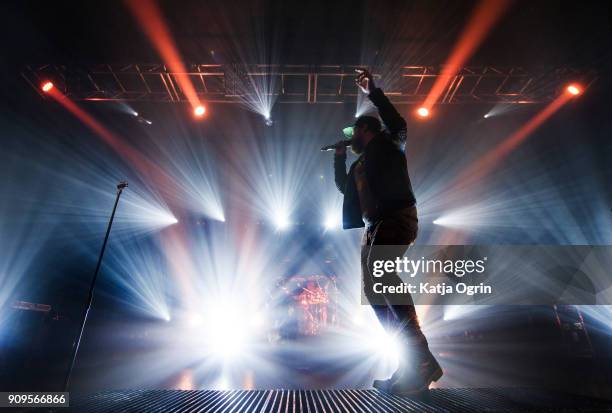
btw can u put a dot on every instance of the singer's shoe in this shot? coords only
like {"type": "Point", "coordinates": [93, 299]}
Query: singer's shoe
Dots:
{"type": "Point", "coordinates": [416, 382]}
{"type": "Point", "coordinates": [385, 385]}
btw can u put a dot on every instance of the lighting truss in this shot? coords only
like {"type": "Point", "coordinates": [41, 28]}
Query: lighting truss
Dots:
{"type": "Point", "coordinates": [223, 83]}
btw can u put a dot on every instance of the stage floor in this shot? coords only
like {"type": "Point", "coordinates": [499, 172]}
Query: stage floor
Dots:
{"type": "Point", "coordinates": [438, 400]}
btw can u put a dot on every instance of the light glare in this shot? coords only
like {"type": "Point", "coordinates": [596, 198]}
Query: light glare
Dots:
{"type": "Point", "coordinates": [573, 90]}
{"type": "Point", "coordinates": [47, 86]}
{"type": "Point", "coordinates": [281, 221]}
{"type": "Point", "coordinates": [331, 221]}
{"type": "Point", "coordinates": [423, 112]}
{"type": "Point", "coordinates": [199, 111]}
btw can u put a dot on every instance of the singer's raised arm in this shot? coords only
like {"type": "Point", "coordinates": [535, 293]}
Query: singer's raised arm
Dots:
{"type": "Point", "coordinates": [395, 123]}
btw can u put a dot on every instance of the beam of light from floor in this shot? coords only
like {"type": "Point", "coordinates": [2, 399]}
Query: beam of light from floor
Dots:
{"type": "Point", "coordinates": [546, 212]}
{"type": "Point", "coordinates": [151, 21]}
{"type": "Point", "coordinates": [364, 105]}
{"type": "Point", "coordinates": [527, 201]}
{"type": "Point", "coordinates": [480, 24]}
{"type": "Point", "coordinates": [139, 269]}
{"type": "Point", "coordinates": [85, 194]}
{"type": "Point", "coordinates": [274, 175]}
{"type": "Point", "coordinates": [229, 308]}
{"type": "Point", "coordinates": [191, 162]}
{"type": "Point", "coordinates": [256, 91]}
{"type": "Point", "coordinates": [329, 204]}
{"type": "Point", "coordinates": [255, 86]}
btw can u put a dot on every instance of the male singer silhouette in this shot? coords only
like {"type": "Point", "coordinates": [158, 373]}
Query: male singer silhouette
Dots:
{"type": "Point", "coordinates": [378, 196]}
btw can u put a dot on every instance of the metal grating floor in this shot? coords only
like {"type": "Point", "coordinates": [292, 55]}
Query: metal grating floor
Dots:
{"type": "Point", "coordinates": [327, 401]}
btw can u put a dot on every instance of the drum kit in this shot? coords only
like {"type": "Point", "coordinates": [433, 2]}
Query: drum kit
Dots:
{"type": "Point", "coordinates": [310, 302]}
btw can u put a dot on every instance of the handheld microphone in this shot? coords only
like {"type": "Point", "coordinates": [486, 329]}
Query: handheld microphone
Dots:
{"type": "Point", "coordinates": [346, 142]}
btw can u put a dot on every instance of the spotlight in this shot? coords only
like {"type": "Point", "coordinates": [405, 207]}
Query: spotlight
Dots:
{"type": "Point", "coordinates": [258, 320]}
{"type": "Point", "coordinates": [269, 122]}
{"type": "Point", "coordinates": [47, 86]}
{"type": "Point", "coordinates": [469, 217]}
{"type": "Point", "coordinates": [135, 114]}
{"type": "Point", "coordinates": [331, 221]}
{"type": "Point", "coordinates": [199, 111]}
{"type": "Point", "coordinates": [385, 345]}
{"type": "Point", "coordinates": [486, 115]}
{"type": "Point", "coordinates": [160, 218]}
{"type": "Point", "coordinates": [573, 89]}
{"type": "Point", "coordinates": [423, 112]}
{"type": "Point", "coordinates": [226, 331]}
{"type": "Point", "coordinates": [194, 320]}
{"type": "Point", "coordinates": [281, 221]}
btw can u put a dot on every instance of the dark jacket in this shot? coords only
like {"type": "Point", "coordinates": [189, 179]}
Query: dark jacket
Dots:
{"type": "Point", "coordinates": [385, 168]}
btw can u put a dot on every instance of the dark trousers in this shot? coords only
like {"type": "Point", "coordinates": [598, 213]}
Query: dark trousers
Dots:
{"type": "Point", "coordinates": [397, 231]}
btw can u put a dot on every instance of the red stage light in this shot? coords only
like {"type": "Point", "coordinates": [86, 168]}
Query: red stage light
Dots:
{"type": "Point", "coordinates": [47, 86]}
{"type": "Point", "coordinates": [199, 111]}
{"type": "Point", "coordinates": [574, 90]}
{"type": "Point", "coordinates": [423, 112]}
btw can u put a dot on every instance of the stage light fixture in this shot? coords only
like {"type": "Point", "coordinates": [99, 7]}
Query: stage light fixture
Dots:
{"type": "Point", "coordinates": [47, 86]}
{"type": "Point", "coordinates": [573, 89]}
{"type": "Point", "coordinates": [423, 112]}
{"type": "Point", "coordinates": [199, 111]}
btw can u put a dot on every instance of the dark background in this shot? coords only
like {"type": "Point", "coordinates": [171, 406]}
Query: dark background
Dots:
{"type": "Point", "coordinates": [572, 150]}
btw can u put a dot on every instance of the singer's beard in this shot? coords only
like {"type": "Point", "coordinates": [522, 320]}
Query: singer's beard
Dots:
{"type": "Point", "coordinates": [357, 146]}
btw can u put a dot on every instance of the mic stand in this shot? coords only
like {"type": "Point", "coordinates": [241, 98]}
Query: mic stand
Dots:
{"type": "Point", "coordinates": [75, 346]}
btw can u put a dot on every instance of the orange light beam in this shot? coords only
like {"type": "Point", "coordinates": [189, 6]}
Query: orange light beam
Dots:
{"type": "Point", "coordinates": [486, 14]}
{"type": "Point", "coordinates": [486, 163]}
{"type": "Point", "coordinates": [107, 136]}
{"type": "Point", "coordinates": [125, 150]}
{"type": "Point", "coordinates": [151, 21]}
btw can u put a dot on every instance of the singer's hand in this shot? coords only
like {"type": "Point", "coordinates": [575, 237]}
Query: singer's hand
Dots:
{"type": "Point", "coordinates": [365, 81]}
{"type": "Point", "coordinates": [340, 150]}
